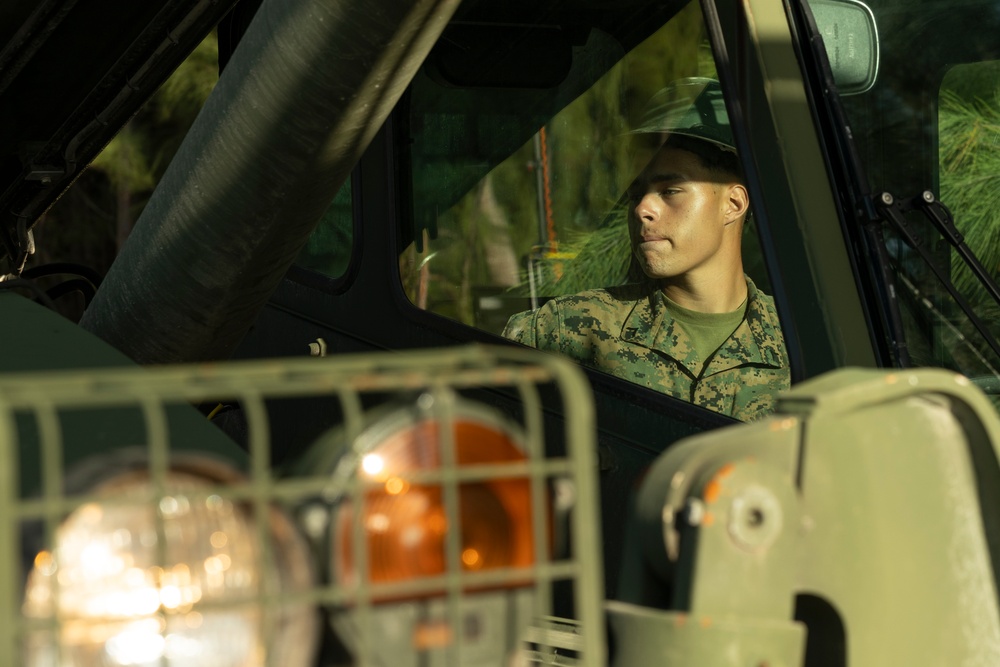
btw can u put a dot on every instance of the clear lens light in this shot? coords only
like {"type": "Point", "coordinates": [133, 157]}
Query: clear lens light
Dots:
{"type": "Point", "coordinates": [127, 592]}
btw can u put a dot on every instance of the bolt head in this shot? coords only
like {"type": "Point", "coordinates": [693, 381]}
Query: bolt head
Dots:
{"type": "Point", "coordinates": [755, 518]}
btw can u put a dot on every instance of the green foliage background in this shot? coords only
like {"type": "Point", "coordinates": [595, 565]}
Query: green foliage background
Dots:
{"type": "Point", "coordinates": [969, 148]}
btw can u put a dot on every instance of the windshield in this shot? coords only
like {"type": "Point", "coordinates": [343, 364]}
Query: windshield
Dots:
{"type": "Point", "coordinates": [926, 127]}
{"type": "Point", "coordinates": [570, 175]}
{"type": "Point", "coordinates": [520, 152]}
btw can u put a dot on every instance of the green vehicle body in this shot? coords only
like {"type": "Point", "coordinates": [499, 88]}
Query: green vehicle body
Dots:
{"type": "Point", "coordinates": [857, 525]}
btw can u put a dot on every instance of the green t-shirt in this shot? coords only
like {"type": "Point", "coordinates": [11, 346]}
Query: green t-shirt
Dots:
{"type": "Point", "coordinates": [708, 331]}
{"type": "Point", "coordinates": [627, 331]}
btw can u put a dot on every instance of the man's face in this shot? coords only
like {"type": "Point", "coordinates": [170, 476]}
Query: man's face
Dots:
{"type": "Point", "coordinates": [679, 215]}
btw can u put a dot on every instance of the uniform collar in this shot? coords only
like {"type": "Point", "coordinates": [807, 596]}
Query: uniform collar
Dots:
{"type": "Point", "coordinates": [756, 341]}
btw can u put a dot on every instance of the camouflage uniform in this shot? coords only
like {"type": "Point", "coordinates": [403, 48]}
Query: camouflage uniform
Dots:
{"type": "Point", "coordinates": [627, 331]}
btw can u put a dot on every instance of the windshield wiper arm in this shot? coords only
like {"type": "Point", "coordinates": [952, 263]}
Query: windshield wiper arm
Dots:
{"type": "Point", "coordinates": [893, 211]}
{"type": "Point", "coordinates": [941, 217]}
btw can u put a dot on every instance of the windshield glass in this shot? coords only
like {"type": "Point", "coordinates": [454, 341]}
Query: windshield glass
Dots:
{"type": "Point", "coordinates": [549, 206]}
{"type": "Point", "coordinates": [520, 154]}
{"type": "Point", "coordinates": [929, 121]}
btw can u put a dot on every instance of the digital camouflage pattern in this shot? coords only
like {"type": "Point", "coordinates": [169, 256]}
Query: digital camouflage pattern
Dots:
{"type": "Point", "coordinates": [627, 331]}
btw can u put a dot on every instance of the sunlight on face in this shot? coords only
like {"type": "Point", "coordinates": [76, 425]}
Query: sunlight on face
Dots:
{"type": "Point", "coordinates": [679, 214]}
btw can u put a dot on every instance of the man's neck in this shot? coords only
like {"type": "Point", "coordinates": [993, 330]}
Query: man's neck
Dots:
{"type": "Point", "coordinates": [718, 293]}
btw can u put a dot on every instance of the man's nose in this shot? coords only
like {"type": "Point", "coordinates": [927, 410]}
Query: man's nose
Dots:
{"type": "Point", "coordinates": [647, 207]}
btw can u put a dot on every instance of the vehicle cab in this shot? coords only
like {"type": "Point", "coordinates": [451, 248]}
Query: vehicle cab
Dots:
{"type": "Point", "coordinates": [476, 167]}
{"type": "Point", "coordinates": [493, 186]}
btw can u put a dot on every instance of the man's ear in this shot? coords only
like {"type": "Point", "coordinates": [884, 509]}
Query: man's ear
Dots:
{"type": "Point", "coordinates": [737, 202]}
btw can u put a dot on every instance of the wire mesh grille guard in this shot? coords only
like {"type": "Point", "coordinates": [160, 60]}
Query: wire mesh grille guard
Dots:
{"type": "Point", "coordinates": [43, 420]}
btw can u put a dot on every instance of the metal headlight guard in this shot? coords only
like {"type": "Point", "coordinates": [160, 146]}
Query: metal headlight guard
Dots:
{"type": "Point", "coordinates": [444, 535]}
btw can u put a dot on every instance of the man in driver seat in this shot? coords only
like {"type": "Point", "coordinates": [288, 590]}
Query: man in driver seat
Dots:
{"type": "Point", "coordinates": [695, 327]}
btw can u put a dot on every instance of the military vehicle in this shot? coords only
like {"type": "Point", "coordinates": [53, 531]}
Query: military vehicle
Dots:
{"type": "Point", "coordinates": [286, 430]}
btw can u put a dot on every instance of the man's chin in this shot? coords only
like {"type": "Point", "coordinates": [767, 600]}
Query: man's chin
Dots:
{"type": "Point", "coordinates": [655, 270]}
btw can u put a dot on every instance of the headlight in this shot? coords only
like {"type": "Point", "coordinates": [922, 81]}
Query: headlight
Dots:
{"type": "Point", "coordinates": [439, 531]}
{"type": "Point", "coordinates": [177, 577]}
{"type": "Point", "coordinates": [437, 502]}
{"type": "Point", "coordinates": [406, 522]}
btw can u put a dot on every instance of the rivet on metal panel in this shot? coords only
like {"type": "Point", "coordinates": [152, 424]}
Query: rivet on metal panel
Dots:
{"type": "Point", "coordinates": [318, 349]}
{"type": "Point", "coordinates": [755, 518]}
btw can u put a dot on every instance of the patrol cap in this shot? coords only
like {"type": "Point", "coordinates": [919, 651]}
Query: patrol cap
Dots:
{"type": "Point", "coordinates": [692, 106]}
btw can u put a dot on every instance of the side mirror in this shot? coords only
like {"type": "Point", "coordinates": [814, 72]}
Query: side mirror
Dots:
{"type": "Point", "coordinates": [851, 40]}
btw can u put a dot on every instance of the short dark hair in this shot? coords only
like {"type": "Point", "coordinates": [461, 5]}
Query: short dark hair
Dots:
{"type": "Point", "coordinates": [711, 156]}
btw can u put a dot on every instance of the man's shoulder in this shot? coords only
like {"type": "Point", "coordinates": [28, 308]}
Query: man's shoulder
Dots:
{"type": "Point", "coordinates": [761, 302]}
{"type": "Point", "coordinates": [575, 314]}
{"type": "Point", "coordinates": [617, 297]}
{"type": "Point", "coordinates": [762, 317]}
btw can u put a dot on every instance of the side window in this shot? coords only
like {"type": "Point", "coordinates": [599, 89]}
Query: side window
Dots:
{"type": "Point", "coordinates": [968, 141]}
{"type": "Point", "coordinates": [968, 131]}
{"type": "Point", "coordinates": [938, 330]}
{"type": "Point", "coordinates": [328, 250]}
{"type": "Point", "coordinates": [525, 147]}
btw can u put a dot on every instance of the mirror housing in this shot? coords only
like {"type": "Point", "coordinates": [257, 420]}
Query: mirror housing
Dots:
{"type": "Point", "coordinates": [851, 40]}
